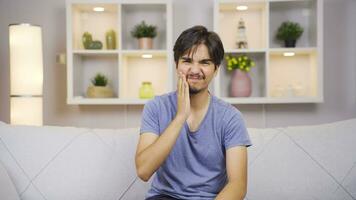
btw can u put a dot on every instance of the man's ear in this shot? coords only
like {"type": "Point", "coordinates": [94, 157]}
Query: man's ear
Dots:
{"type": "Point", "coordinates": [216, 71]}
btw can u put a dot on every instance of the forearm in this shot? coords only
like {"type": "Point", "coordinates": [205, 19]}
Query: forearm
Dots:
{"type": "Point", "coordinates": [234, 190]}
{"type": "Point", "coordinates": [150, 159]}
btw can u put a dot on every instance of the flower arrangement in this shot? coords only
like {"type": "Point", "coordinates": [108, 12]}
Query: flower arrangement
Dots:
{"type": "Point", "coordinates": [241, 62]}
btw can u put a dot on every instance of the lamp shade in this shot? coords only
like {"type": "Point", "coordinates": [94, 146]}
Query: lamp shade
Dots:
{"type": "Point", "coordinates": [26, 59]}
{"type": "Point", "coordinates": [26, 74]}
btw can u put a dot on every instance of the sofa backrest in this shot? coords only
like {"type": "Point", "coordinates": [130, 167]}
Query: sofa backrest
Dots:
{"type": "Point", "coordinates": [303, 162]}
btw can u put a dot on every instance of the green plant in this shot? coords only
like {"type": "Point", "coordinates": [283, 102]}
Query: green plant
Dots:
{"type": "Point", "coordinates": [144, 30]}
{"type": "Point", "coordinates": [289, 31]}
{"type": "Point", "coordinates": [241, 62]}
{"type": "Point", "coordinates": [99, 80]}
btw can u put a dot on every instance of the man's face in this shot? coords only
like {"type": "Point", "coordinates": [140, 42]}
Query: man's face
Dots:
{"type": "Point", "coordinates": [199, 69]}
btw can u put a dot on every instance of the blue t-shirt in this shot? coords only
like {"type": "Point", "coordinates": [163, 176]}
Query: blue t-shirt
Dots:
{"type": "Point", "coordinates": [195, 168]}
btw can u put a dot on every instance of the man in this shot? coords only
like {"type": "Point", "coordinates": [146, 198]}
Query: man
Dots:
{"type": "Point", "coordinates": [195, 142]}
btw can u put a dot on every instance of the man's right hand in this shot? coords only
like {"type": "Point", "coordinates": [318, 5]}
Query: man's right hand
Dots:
{"type": "Point", "coordinates": [183, 98]}
{"type": "Point", "coordinates": [152, 150]}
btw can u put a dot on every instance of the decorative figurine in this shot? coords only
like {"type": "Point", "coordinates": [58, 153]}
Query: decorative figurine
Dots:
{"type": "Point", "coordinates": [241, 35]}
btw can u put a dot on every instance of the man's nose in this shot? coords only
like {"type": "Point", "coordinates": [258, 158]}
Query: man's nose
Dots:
{"type": "Point", "coordinates": [195, 67]}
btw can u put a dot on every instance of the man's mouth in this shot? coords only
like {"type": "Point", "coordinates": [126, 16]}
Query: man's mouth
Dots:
{"type": "Point", "coordinates": [195, 77]}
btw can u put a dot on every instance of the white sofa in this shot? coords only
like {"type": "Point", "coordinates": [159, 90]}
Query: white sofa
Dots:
{"type": "Point", "coordinates": [67, 163]}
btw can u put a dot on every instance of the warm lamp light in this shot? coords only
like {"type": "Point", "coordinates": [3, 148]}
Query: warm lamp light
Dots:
{"type": "Point", "coordinates": [26, 74]}
{"type": "Point", "coordinates": [288, 54]}
{"type": "Point", "coordinates": [98, 9]}
{"type": "Point", "coordinates": [147, 56]}
{"type": "Point", "coordinates": [241, 8]}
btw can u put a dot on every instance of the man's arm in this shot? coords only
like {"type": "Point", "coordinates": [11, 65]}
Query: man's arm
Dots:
{"type": "Point", "coordinates": [236, 166]}
{"type": "Point", "coordinates": [152, 150]}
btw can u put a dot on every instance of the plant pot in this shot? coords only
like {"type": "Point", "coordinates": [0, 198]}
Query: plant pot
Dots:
{"type": "Point", "coordinates": [145, 43]}
{"type": "Point", "coordinates": [99, 92]}
{"type": "Point", "coordinates": [241, 84]}
{"type": "Point", "coordinates": [290, 43]}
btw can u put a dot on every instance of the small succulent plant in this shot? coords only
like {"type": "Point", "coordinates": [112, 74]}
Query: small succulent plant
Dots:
{"type": "Point", "coordinates": [99, 80]}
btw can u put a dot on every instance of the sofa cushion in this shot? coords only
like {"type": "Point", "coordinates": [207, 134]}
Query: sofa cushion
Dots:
{"type": "Point", "coordinates": [332, 147]}
{"type": "Point", "coordinates": [70, 163]}
{"type": "Point", "coordinates": [7, 189]}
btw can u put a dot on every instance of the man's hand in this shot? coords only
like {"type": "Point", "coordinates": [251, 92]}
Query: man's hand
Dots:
{"type": "Point", "coordinates": [152, 150]}
{"type": "Point", "coordinates": [183, 100]}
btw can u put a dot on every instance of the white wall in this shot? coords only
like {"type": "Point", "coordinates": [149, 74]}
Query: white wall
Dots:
{"type": "Point", "coordinates": [339, 67]}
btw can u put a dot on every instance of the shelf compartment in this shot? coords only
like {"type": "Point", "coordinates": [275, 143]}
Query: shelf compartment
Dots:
{"type": "Point", "coordinates": [303, 11]}
{"type": "Point", "coordinates": [293, 76]}
{"type": "Point", "coordinates": [87, 66]}
{"type": "Point", "coordinates": [85, 19]}
{"type": "Point", "coordinates": [257, 74]}
{"type": "Point", "coordinates": [152, 14]}
{"type": "Point", "coordinates": [255, 18]}
{"type": "Point", "coordinates": [135, 69]}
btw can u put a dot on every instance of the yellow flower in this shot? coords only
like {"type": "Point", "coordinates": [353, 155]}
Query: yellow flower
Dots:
{"type": "Point", "coordinates": [229, 63]}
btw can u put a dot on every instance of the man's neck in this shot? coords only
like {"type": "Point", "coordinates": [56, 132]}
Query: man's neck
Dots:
{"type": "Point", "coordinates": [200, 100]}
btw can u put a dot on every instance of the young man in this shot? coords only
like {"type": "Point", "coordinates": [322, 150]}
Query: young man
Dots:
{"type": "Point", "coordinates": [195, 142]}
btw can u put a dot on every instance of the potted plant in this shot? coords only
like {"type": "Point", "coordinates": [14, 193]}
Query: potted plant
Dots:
{"type": "Point", "coordinates": [145, 34]}
{"type": "Point", "coordinates": [241, 83]}
{"type": "Point", "coordinates": [100, 88]}
{"type": "Point", "coordinates": [289, 32]}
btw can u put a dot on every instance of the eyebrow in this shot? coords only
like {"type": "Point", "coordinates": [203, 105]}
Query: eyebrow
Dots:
{"type": "Point", "coordinates": [190, 59]}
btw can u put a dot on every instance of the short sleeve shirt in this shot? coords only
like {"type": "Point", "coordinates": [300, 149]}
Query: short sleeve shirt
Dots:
{"type": "Point", "coordinates": [195, 168]}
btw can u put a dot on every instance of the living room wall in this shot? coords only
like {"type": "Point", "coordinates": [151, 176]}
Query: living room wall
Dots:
{"type": "Point", "coordinates": [339, 68]}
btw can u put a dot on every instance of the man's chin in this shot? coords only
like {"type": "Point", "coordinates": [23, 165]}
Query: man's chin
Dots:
{"type": "Point", "coordinates": [193, 91]}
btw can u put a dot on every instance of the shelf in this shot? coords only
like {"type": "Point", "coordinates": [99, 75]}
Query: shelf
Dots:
{"type": "Point", "coordinates": [152, 14]}
{"type": "Point", "coordinates": [245, 50]}
{"type": "Point", "coordinates": [285, 75]}
{"type": "Point", "coordinates": [85, 19]}
{"type": "Point", "coordinates": [95, 52]}
{"type": "Point", "coordinates": [126, 67]}
{"type": "Point", "coordinates": [136, 70]}
{"type": "Point", "coordinates": [294, 76]}
{"type": "Point", "coordinates": [255, 18]}
{"type": "Point", "coordinates": [106, 101]}
{"type": "Point", "coordinates": [141, 52]}
{"type": "Point", "coordinates": [87, 66]}
{"type": "Point", "coordinates": [302, 11]}
{"type": "Point", "coordinates": [280, 51]}
{"type": "Point", "coordinates": [271, 100]}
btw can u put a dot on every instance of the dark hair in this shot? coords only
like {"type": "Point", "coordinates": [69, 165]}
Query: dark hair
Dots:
{"type": "Point", "coordinates": [190, 39]}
